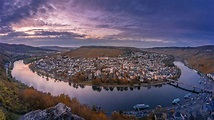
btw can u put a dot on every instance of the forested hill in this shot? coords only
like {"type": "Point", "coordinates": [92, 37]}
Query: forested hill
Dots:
{"type": "Point", "coordinates": [57, 48]}
{"type": "Point", "coordinates": [101, 51]}
{"type": "Point", "coordinates": [17, 48]}
{"type": "Point", "coordinates": [17, 99]}
{"type": "Point", "coordinates": [200, 58]}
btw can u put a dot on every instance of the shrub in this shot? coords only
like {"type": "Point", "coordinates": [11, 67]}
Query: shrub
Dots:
{"type": "Point", "coordinates": [2, 115]}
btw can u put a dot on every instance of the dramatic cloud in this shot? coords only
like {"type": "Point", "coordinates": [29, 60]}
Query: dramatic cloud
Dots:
{"type": "Point", "coordinates": [113, 22]}
{"type": "Point", "coordinates": [13, 11]}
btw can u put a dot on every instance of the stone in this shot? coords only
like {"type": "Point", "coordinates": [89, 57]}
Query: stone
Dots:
{"type": "Point", "coordinates": [59, 112]}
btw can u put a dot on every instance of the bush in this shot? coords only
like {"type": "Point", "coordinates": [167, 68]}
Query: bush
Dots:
{"type": "Point", "coordinates": [36, 100]}
{"type": "Point", "coordinates": [2, 115]}
{"type": "Point", "coordinates": [118, 116]}
{"type": "Point", "coordinates": [96, 81]}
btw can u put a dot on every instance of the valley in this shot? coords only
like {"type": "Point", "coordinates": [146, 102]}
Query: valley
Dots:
{"type": "Point", "coordinates": [30, 99]}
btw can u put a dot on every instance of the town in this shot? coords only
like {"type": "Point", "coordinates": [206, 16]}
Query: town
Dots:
{"type": "Point", "coordinates": [137, 67]}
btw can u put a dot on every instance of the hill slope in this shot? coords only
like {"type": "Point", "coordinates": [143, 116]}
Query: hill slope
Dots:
{"type": "Point", "coordinates": [17, 99]}
{"type": "Point", "coordinates": [57, 48]}
{"type": "Point", "coordinates": [17, 48]}
{"type": "Point", "coordinates": [200, 58]}
{"type": "Point", "coordinates": [100, 51]}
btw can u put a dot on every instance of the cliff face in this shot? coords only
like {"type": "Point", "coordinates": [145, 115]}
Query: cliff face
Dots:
{"type": "Point", "coordinates": [59, 112]}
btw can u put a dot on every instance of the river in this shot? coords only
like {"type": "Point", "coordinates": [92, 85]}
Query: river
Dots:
{"type": "Point", "coordinates": [114, 99]}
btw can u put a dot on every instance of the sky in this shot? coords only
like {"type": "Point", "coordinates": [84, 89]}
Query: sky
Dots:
{"type": "Point", "coordinates": [137, 23]}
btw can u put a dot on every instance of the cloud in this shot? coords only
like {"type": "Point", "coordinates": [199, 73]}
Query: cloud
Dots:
{"type": "Point", "coordinates": [59, 34]}
{"type": "Point", "coordinates": [167, 22]}
{"type": "Point", "coordinates": [13, 11]}
{"type": "Point", "coordinates": [16, 10]}
{"type": "Point", "coordinates": [43, 34]}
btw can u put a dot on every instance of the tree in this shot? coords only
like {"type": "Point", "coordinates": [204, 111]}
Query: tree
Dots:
{"type": "Point", "coordinates": [2, 116]}
{"type": "Point", "coordinates": [96, 81]}
{"type": "Point", "coordinates": [118, 116]}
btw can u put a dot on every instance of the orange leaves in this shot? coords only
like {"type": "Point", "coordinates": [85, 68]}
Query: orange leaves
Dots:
{"type": "Point", "coordinates": [37, 100]}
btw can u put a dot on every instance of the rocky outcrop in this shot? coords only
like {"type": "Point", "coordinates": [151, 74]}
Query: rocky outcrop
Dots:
{"type": "Point", "coordinates": [59, 112]}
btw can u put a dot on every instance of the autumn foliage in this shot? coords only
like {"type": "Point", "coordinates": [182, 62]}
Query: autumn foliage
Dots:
{"type": "Point", "coordinates": [36, 100]}
{"type": "Point", "coordinates": [17, 99]}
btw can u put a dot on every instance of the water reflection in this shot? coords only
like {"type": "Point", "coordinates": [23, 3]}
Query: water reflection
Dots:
{"type": "Point", "coordinates": [109, 98]}
{"type": "Point", "coordinates": [97, 88]}
{"type": "Point", "coordinates": [100, 88]}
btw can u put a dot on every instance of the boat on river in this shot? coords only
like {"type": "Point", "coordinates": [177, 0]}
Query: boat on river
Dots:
{"type": "Point", "coordinates": [22, 73]}
{"type": "Point", "coordinates": [187, 96]}
{"type": "Point", "coordinates": [140, 106]}
{"type": "Point", "coordinates": [176, 101]}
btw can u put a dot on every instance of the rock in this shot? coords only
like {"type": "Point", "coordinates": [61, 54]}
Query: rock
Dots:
{"type": "Point", "coordinates": [59, 112]}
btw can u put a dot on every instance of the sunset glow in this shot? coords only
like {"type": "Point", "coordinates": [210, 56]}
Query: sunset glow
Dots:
{"type": "Point", "coordinates": [150, 23]}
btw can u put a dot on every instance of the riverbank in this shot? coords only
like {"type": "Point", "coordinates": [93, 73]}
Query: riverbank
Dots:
{"type": "Point", "coordinates": [92, 95]}
{"type": "Point", "coordinates": [90, 83]}
{"type": "Point", "coordinates": [98, 82]}
{"type": "Point", "coordinates": [196, 107]}
{"type": "Point", "coordinates": [17, 99]}
{"type": "Point", "coordinates": [135, 85]}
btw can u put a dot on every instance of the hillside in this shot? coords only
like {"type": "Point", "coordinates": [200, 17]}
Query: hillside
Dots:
{"type": "Point", "coordinates": [100, 51]}
{"type": "Point", "coordinates": [57, 48]}
{"type": "Point", "coordinates": [17, 99]}
{"type": "Point", "coordinates": [200, 58]}
{"type": "Point", "coordinates": [11, 105]}
{"type": "Point", "coordinates": [19, 48]}
{"type": "Point", "coordinates": [13, 52]}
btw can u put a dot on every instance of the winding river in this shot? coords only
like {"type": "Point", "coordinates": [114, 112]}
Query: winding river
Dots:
{"type": "Point", "coordinates": [110, 99]}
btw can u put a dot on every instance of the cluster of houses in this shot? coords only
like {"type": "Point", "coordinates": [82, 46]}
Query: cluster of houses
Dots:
{"type": "Point", "coordinates": [140, 66]}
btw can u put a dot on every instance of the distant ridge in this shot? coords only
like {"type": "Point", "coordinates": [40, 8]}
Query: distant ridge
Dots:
{"type": "Point", "coordinates": [13, 50]}
{"type": "Point", "coordinates": [18, 48]}
{"type": "Point", "coordinates": [9, 51]}
{"type": "Point", "coordinates": [132, 49]}
{"type": "Point", "coordinates": [101, 51]}
{"type": "Point", "coordinates": [174, 47]}
{"type": "Point", "coordinates": [57, 48]}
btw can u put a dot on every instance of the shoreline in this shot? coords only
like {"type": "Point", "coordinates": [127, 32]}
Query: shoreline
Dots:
{"type": "Point", "coordinates": [89, 83]}
{"type": "Point", "coordinates": [167, 107]}
{"type": "Point", "coordinates": [126, 85]}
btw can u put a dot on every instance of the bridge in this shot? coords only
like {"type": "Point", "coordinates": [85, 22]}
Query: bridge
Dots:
{"type": "Point", "coordinates": [189, 85]}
